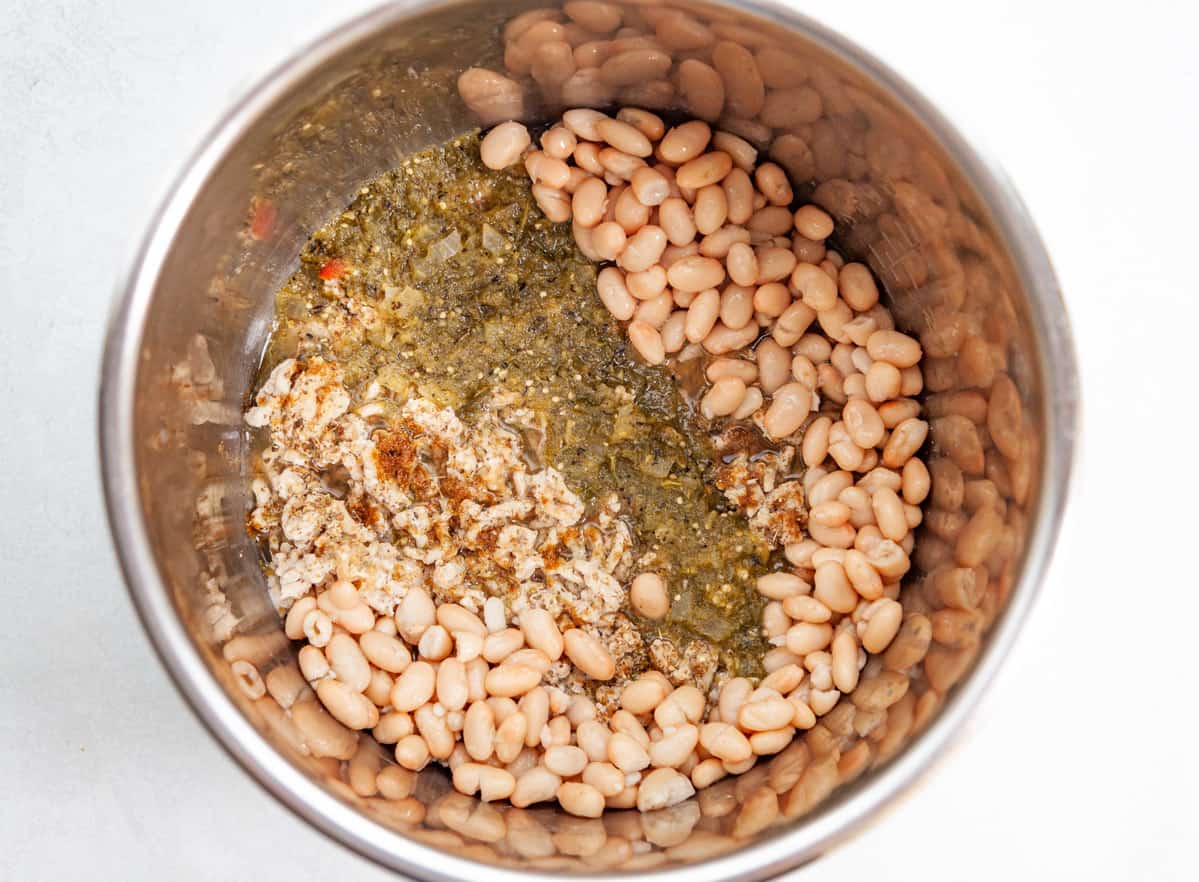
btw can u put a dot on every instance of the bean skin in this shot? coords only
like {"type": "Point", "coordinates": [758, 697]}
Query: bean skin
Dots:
{"type": "Point", "coordinates": [647, 123]}
{"type": "Point", "coordinates": [711, 168]}
{"type": "Point", "coordinates": [702, 315]}
{"type": "Point", "coordinates": [503, 145]}
{"type": "Point", "coordinates": [813, 223]}
{"type": "Point", "coordinates": [649, 596]}
{"type": "Point", "coordinates": [790, 407]}
{"type": "Point", "coordinates": [772, 182]}
{"type": "Point", "coordinates": [739, 196]}
{"type": "Point", "coordinates": [492, 96]}
{"type": "Point", "coordinates": [723, 398]}
{"type": "Point", "coordinates": [589, 202]}
{"type": "Point", "coordinates": [774, 365]}
{"type": "Point", "coordinates": [614, 294]}
{"type": "Point", "coordinates": [554, 203]}
{"type": "Point", "coordinates": [609, 240]}
{"type": "Point", "coordinates": [624, 137]}
{"type": "Point", "coordinates": [695, 273]}
{"type": "Point", "coordinates": [711, 209]}
{"type": "Point", "coordinates": [772, 299]}
{"type": "Point", "coordinates": [647, 284]}
{"type": "Point", "coordinates": [745, 93]}
{"type": "Point", "coordinates": [685, 142]}
{"type": "Point", "coordinates": [736, 306]}
{"type": "Point", "coordinates": [643, 249]}
{"type": "Point", "coordinates": [701, 89]}
{"type": "Point", "coordinates": [676, 220]}
{"type": "Point", "coordinates": [558, 142]}
{"type": "Point", "coordinates": [742, 264]}
{"type": "Point", "coordinates": [650, 187]}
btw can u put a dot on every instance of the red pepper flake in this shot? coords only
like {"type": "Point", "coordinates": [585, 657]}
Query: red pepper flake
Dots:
{"type": "Point", "coordinates": [334, 269]}
{"type": "Point", "coordinates": [263, 215]}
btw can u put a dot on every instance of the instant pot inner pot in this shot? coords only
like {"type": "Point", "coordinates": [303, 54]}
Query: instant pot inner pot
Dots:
{"type": "Point", "coordinates": [330, 122]}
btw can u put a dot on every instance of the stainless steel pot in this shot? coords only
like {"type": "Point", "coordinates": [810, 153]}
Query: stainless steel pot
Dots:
{"type": "Point", "coordinates": [941, 227]}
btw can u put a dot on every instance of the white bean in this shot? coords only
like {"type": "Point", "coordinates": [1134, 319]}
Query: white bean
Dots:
{"type": "Point", "coordinates": [590, 202]}
{"type": "Point", "coordinates": [723, 398]}
{"type": "Point", "coordinates": [739, 196]}
{"type": "Point", "coordinates": [608, 239]}
{"type": "Point", "coordinates": [745, 92]}
{"type": "Point", "coordinates": [635, 66]}
{"type": "Point", "coordinates": [685, 142]}
{"type": "Point", "coordinates": [583, 122]}
{"type": "Point", "coordinates": [647, 341]}
{"type": "Point", "coordinates": [789, 408]}
{"type": "Point", "coordinates": [701, 89]}
{"type": "Point", "coordinates": [492, 96]}
{"type": "Point", "coordinates": [504, 144]}
{"type": "Point", "coordinates": [742, 264]}
{"type": "Point", "coordinates": [554, 203]}
{"type": "Point", "coordinates": [348, 662]}
{"type": "Point", "coordinates": [702, 314]}
{"type": "Point", "coordinates": [649, 597]}
{"type": "Point", "coordinates": [347, 705]}
{"type": "Point", "coordinates": [818, 290]}
{"type": "Point", "coordinates": [624, 137]}
{"type": "Point", "coordinates": [675, 218]}
{"type": "Point", "coordinates": [622, 165]}
{"type": "Point", "coordinates": [772, 182]}
{"type": "Point", "coordinates": [589, 655]}
{"type": "Point", "coordinates": [541, 632]}
{"type": "Point", "coordinates": [711, 168]}
{"type": "Point", "coordinates": [647, 123]}
{"type": "Point", "coordinates": [643, 249]}
{"type": "Point", "coordinates": [614, 294]}
{"type": "Point", "coordinates": [649, 186]}
{"type": "Point", "coordinates": [711, 209]}
{"type": "Point", "coordinates": [695, 273]}
{"type": "Point", "coordinates": [602, 18]}
{"type": "Point", "coordinates": [558, 142]}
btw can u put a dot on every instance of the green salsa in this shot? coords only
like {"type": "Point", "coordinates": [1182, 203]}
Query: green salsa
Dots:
{"type": "Point", "coordinates": [473, 289]}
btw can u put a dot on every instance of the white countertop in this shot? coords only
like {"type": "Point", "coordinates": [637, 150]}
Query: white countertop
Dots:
{"type": "Point", "coordinates": [1080, 764]}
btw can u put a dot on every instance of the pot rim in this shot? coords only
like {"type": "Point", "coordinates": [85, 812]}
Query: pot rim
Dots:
{"type": "Point", "coordinates": [782, 851]}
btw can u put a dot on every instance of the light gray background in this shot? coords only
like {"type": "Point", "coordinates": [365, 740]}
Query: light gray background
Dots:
{"type": "Point", "coordinates": [1081, 763]}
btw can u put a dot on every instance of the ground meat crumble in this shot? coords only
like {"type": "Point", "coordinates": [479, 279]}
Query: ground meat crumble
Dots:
{"type": "Point", "coordinates": [393, 495]}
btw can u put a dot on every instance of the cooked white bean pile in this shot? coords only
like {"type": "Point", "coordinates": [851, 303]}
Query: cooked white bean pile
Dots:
{"type": "Point", "coordinates": [779, 322]}
{"type": "Point", "coordinates": [711, 260]}
{"type": "Point", "coordinates": [442, 684]}
{"type": "Point", "coordinates": [710, 257]}
{"type": "Point", "coordinates": [707, 259]}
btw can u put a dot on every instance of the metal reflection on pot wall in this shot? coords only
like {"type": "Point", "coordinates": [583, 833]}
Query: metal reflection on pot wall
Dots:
{"type": "Point", "coordinates": [963, 271]}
